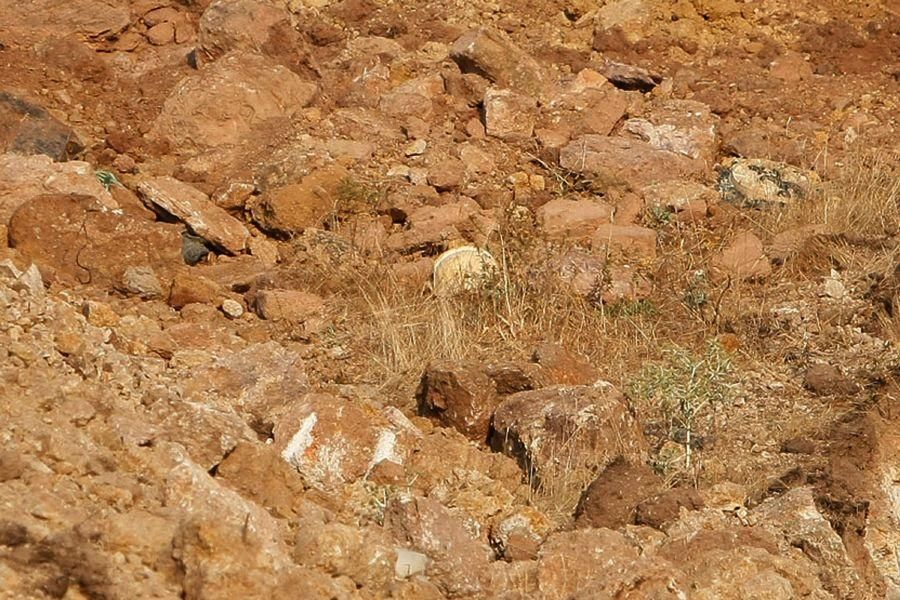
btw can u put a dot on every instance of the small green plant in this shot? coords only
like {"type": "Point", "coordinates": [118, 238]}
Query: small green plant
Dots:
{"type": "Point", "coordinates": [696, 296]}
{"type": "Point", "coordinates": [659, 215]}
{"type": "Point", "coordinates": [684, 386]}
{"type": "Point", "coordinates": [107, 179]}
{"type": "Point", "coordinates": [632, 308]}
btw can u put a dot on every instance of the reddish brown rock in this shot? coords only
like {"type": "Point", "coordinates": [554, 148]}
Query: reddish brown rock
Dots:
{"type": "Point", "coordinates": [228, 25]}
{"type": "Point", "coordinates": [572, 219]}
{"type": "Point", "coordinates": [330, 440]}
{"type": "Point", "coordinates": [664, 508]}
{"type": "Point", "coordinates": [586, 104]}
{"type": "Point", "coordinates": [295, 207]}
{"type": "Point", "coordinates": [610, 500]}
{"type": "Point", "coordinates": [743, 258]}
{"type": "Point", "coordinates": [683, 127]}
{"type": "Point", "coordinates": [189, 288]}
{"type": "Point", "coordinates": [25, 177]}
{"type": "Point", "coordinates": [431, 227]}
{"type": "Point", "coordinates": [224, 102]}
{"type": "Point", "coordinates": [510, 378]}
{"type": "Point", "coordinates": [447, 175]}
{"type": "Point", "coordinates": [192, 206]}
{"type": "Point", "coordinates": [12, 466]}
{"type": "Point", "coordinates": [508, 115]}
{"type": "Point", "coordinates": [490, 54]}
{"type": "Point", "coordinates": [287, 305]}
{"type": "Point", "coordinates": [573, 429]}
{"type": "Point", "coordinates": [161, 34]}
{"type": "Point", "coordinates": [571, 561]}
{"type": "Point", "coordinates": [826, 380]}
{"type": "Point", "coordinates": [80, 241]}
{"type": "Point", "coordinates": [459, 561]}
{"type": "Point", "coordinates": [365, 555]}
{"type": "Point", "coordinates": [629, 241]}
{"type": "Point", "coordinates": [559, 366]}
{"type": "Point", "coordinates": [458, 395]}
{"type": "Point", "coordinates": [616, 160]}
{"type": "Point", "coordinates": [258, 473]}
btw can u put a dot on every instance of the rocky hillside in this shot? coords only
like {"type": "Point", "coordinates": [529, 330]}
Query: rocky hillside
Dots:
{"type": "Point", "coordinates": [353, 299]}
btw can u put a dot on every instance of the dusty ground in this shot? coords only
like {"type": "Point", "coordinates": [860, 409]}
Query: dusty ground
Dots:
{"type": "Point", "coordinates": [313, 299]}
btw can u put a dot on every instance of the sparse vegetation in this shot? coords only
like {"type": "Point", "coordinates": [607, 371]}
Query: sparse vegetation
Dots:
{"type": "Point", "coordinates": [683, 386]}
{"type": "Point", "coordinates": [107, 179]}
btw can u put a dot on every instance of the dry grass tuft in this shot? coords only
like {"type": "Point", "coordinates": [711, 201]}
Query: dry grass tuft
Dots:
{"type": "Point", "coordinates": [862, 199]}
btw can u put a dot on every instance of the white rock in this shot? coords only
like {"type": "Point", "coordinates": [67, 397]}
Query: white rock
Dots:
{"type": "Point", "coordinates": [409, 563]}
{"type": "Point", "coordinates": [232, 308]}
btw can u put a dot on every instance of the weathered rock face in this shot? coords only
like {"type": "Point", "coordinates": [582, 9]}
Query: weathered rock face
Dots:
{"type": "Point", "coordinates": [228, 25]}
{"type": "Point", "coordinates": [682, 127]}
{"type": "Point", "coordinates": [611, 499]}
{"type": "Point", "coordinates": [588, 104]}
{"type": "Point", "coordinates": [624, 161]}
{"type": "Point", "coordinates": [332, 441]}
{"type": "Point", "coordinates": [207, 110]}
{"type": "Point", "coordinates": [192, 206]}
{"type": "Point", "coordinates": [629, 241]}
{"type": "Point", "coordinates": [77, 240]}
{"type": "Point", "coordinates": [287, 305]}
{"type": "Point", "coordinates": [431, 227]}
{"type": "Point", "coordinates": [509, 115]}
{"type": "Point", "coordinates": [795, 516]}
{"type": "Point", "coordinates": [743, 258]}
{"type": "Point", "coordinates": [580, 429]}
{"type": "Point", "coordinates": [490, 54]}
{"type": "Point", "coordinates": [560, 366]}
{"type": "Point", "coordinates": [24, 177]}
{"type": "Point", "coordinates": [27, 128]}
{"type": "Point", "coordinates": [572, 219]}
{"type": "Point", "coordinates": [459, 561]}
{"type": "Point", "coordinates": [458, 395]}
{"type": "Point", "coordinates": [293, 208]}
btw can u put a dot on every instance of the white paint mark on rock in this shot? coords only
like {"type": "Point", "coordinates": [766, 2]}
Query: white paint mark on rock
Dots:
{"type": "Point", "coordinates": [301, 440]}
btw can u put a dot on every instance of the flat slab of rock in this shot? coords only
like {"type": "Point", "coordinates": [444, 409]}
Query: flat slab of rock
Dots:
{"type": "Point", "coordinates": [684, 127]}
{"type": "Point", "coordinates": [572, 219]}
{"type": "Point", "coordinates": [192, 206]}
{"type": "Point", "coordinates": [617, 160]}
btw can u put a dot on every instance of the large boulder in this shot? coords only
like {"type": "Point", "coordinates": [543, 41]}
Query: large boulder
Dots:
{"type": "Point", "coordinates": [78, 240]}
{"type": "Point", "coordinates": [567, 431]}
{"type": "Point", "coordinates": [332, 440]}
{"type": "Point", "coordinates": [224, 102]}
